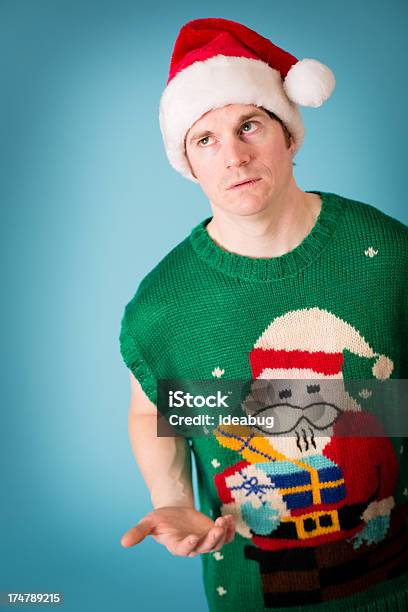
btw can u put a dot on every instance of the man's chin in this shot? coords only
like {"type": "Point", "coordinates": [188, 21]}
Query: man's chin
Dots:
{"type": "Point", "coordinates": [245, 207]}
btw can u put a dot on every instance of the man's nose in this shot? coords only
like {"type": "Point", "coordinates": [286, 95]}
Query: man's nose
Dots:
{"type": "Point", "coordinates": [236, 153]}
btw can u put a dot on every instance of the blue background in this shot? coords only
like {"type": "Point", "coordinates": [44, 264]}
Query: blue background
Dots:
{"type": "Point", "coordinates": [89, 206]}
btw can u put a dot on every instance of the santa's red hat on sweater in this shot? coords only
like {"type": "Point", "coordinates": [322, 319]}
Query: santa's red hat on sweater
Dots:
{"type": "Point", "coordinates": [216, 62]}
{"type": "Point", "coordinates": [310, 343]}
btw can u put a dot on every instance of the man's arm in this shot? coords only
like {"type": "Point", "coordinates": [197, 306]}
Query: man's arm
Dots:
{"type": "Point", "coordinates": [165, 464]}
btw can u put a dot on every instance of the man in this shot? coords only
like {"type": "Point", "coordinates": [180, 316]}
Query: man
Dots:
{"type": "Point", "coordinates": [278, 284]}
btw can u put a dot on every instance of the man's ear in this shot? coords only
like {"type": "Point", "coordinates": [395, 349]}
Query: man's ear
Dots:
{"type": "Point", "coordinates": [292, 150]}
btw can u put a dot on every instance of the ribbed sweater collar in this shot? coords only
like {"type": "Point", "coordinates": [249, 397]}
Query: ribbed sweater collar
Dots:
{"type": "Point", "coordinates": [272, 268]}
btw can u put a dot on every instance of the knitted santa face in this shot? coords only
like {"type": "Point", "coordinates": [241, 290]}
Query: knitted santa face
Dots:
{"type": "Point", "coordinates": [297, 366]}
{"type": "Point", "coordinates": [216, 62]}
{"type": "Point", "coordinates": [304, 411]}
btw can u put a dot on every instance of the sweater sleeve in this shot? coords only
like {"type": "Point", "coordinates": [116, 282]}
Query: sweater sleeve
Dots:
{"type": "Point", "coordinates": [134, 340]}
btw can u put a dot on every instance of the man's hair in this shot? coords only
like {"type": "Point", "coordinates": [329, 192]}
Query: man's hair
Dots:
{"type": "Point", "coordinates": [286, 132]}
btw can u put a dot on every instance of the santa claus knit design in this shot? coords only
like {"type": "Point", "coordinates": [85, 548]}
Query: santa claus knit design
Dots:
{"type": "Point", "coordinates": [321, 522]}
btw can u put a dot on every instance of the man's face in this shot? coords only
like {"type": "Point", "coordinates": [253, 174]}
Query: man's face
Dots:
{"type": "Point", "coordinates": [234, 143]}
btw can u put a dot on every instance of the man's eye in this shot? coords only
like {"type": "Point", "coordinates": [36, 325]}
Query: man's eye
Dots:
{"type": "Point", "coordinates": [204, 141]}
{"type": "Point", "coordinates": [247, 123]}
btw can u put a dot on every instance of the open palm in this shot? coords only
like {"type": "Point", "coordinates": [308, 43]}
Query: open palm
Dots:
{"type": "Point", "coordinates": [184, 531]}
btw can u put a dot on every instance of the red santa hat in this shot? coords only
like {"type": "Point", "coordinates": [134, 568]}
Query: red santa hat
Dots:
{"type": "Point", "coordinates": [216, 62]}
{"type": "Point", "coordinates": [310, 343]}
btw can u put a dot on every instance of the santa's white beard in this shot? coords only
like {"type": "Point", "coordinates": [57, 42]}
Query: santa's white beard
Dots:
{"type": "Point", "coordinates": [301, 442]}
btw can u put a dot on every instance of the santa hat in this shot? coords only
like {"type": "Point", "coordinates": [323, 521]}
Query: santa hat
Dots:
{"type": "Point", "coordinates": [309, 343]}
{"type": "Point", "coordinates": [216, 62]}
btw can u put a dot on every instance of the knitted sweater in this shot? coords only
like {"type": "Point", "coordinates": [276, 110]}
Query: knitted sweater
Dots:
{"type": "Point", "coordinates": [314, 532]}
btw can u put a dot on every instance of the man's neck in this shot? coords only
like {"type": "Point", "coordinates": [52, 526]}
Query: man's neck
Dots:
{"type": "Point", "coordinates": [278, 231]}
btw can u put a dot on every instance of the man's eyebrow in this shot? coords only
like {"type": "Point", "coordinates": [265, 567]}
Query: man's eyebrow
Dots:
{"type": "Point", "coordinates": [241, 119]}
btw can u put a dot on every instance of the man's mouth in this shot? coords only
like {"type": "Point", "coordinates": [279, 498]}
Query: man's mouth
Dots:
{"type": "Point", "coordinates": [244, 184]}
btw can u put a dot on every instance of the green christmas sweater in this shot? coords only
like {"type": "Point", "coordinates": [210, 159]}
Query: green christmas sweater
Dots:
{"type": "Point", "coordinates": [321, 518]}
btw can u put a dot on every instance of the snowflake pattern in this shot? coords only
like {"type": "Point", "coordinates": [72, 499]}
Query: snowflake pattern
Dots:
{"type": "Point", "coordinates": [217, 372]}
{"type": "Point", "coordinates": [371, 252]}
{"type": "Point", "coordinates": [365, 393]}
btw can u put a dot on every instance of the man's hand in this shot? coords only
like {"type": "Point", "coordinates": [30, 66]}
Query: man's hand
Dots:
{"type": "Point", "coordinates": [182, 530]}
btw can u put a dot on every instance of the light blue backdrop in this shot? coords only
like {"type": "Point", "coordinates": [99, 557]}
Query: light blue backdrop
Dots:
{"type": "Point", "coordinates": [89, 206]}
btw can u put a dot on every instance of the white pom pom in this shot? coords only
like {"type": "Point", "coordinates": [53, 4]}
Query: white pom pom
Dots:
{"type": "Point", "coordinates": [309, 83]}
{"type": "Point", "coordinates": [383, 367]}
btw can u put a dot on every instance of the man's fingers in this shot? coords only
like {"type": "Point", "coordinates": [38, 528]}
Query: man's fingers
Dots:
{"type": "Point", "coordinates": [137, 533]}
{"type": "Point", "coordinates": [230, 531]}
{"type": "Point", "coordinates": [185, 547]}
{"type": "Point", "coordinates": [227, 523]}
{"type": "Point", "coordinates": [219, 543]}
{"type": "Point", "coordinates": [220, 534]}
{"type": "Point", "coordinates": [211, 540]}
